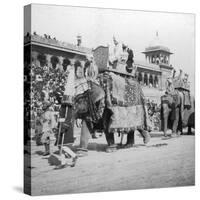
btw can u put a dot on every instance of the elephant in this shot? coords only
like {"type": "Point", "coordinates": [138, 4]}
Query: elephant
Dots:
{"type": "Point", "coordinates": [94, 109]}
{"type": "Point", "coordinates": [174, 115]}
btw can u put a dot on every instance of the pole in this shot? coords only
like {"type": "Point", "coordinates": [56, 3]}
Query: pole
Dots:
{"type": "Point", "coordinates": [61, 146]}
{"type": "Point", "coordinates": [63, 135]}
{"type": "Point", "coordinates": [59, 132]}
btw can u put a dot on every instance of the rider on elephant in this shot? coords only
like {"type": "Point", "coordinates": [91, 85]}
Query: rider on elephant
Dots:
{"type": "Point", "coordinates": [182, 85]}
{"type": "Point", "coordinates": [186, 91]}
{"type": "Point", "coordinates": [170, 87]}
{"type": "Point", "coordinates": [170, 90]}
{"type": "Point", "coordinates": [118, 56]}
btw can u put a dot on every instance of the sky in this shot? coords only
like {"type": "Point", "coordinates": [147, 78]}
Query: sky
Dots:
{"type": "Point", "coordinates": [137, 29]}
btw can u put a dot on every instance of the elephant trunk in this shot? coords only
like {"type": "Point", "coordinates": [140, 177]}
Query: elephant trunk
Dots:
{"type": "Point", "coordinates": [165, 115]}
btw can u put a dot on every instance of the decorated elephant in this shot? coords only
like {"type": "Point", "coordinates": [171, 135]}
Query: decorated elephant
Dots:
{"type": "Point", "coordinates": [175, 114]}
{"type": "Point", "coordinates": [116, 104]}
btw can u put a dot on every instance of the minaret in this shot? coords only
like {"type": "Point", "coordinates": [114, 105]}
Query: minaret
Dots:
{"type": "Point", "coordinates": [156, 53]}
{"type": "Point", "coordinates": [79, 40]}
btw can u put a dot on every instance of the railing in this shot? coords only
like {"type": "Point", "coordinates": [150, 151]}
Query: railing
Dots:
{"type": "Point", "coordinates": [55, 42]}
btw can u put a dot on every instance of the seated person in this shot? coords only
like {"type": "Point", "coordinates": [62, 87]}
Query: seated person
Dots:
{"type": "Point", "coordinates": [169, 87]}
{"type": "Point", "coordinates": [116, 54]}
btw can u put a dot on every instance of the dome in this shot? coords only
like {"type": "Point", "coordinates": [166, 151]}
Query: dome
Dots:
{"type": "Point", "coordinates": [156, 41]}
{"type": "Point", "coordinates": [156, 45]}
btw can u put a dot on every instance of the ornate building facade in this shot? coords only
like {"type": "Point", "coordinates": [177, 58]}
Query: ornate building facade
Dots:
{"type": "Point", "coordinates": [156, 68]}
{"type": "Point", "coordinates": [151, 73]}
{"type": "Point", "coordinates": [49, 52]}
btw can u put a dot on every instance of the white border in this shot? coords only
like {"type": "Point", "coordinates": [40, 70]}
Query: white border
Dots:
{"type": "Point", "coordinates": [11, 100]}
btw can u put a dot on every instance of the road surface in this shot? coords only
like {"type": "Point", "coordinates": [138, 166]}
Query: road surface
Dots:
{"type": "Point", "coordinates": [161, 163]}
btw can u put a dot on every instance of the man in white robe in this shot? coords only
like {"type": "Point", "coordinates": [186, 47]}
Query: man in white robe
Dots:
{"type": "Point", "coordinates": [118, 56]}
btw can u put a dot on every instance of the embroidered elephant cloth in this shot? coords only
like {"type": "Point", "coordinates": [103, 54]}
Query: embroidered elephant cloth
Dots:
{"type": "Point", "coordinates": [120, 90]}
{"type": "Point", "coordinates": [125, 98]}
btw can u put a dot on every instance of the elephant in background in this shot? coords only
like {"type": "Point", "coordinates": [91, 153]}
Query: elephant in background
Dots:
{"type": "Point", "coordinates": [174, 115]}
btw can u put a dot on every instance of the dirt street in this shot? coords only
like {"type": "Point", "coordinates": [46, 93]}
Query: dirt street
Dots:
{"type": "Point", "coordinates": [161, 163]}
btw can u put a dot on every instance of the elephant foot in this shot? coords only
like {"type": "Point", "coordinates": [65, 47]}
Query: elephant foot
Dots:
{"type": "Point", "coordinates": [128, 146]}
{"type": "Point", "coordinates": [111, 149]}
{"type": "Point", "coordinates": [179, 134]}
{"type": "Point", "coordinates": [174, 135]}
{"type": "Point", "coordinates": [120, 145]}
{"type": "Point", "coordinates": [165, 135]}
{"type": "Point", "coordinates": [146, 137]}
{"type": "Point", "coordinates": [190, 131]}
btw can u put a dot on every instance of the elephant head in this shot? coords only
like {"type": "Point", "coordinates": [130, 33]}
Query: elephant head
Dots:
{"type": "Point", "coordinates": [170, 112]}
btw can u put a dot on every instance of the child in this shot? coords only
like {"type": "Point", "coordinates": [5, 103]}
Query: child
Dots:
{"type": "Point", "coordinates": [47, 120]}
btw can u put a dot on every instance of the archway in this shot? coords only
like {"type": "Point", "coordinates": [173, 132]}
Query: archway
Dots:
{"type": "Point", "coordinates": [140, 77]}
{"type": "Point", "coordinates": [65, 63]}
{"type": "Point", "coordinates": [54, 61]}
{"type": "Point", "coordinates": [157, 60]}
{"type": "Point", "coordinates": [156, 81]}
{"type": "Point", "coordinates": [42, 59]}
{"type": "Point", "coordinates": [151, 80]}
{"type": "Point", "coordinates": [153, 59]}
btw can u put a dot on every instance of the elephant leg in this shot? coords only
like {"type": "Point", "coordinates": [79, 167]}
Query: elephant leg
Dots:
{"type": "Point", "coordinates": [145, 134]}
{"type": "Point", "coordinates": [166, 112]}
{"type": "Point", "coordinates": [111, 142]}
{"type": "Point", "coordinates": [110, 138]}
{"type": "Point", "coordinates": [130, 139]}
{"type": "Point", "coordinates": [189, 130]}
{"type": "Point", "coordinates": [175, 123]}
{"type": "Point", "coordinates": [180, 127]}
{"type": "Point", "coordinates": [191, 123]}
{"type": "Point", "coordinates": [122, 137]}
{"type": "Point", "coordinates": [165, 125]}
{"type": "Point", "coordinates": [106, 124]}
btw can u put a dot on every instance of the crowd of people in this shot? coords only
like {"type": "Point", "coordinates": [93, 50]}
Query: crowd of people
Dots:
{"type": "Point", "coordinates": [154, 114]}
{"type": "Point", "coordinates": [44, 88]}
{"type": "Point", "coordinates": [47, 84]}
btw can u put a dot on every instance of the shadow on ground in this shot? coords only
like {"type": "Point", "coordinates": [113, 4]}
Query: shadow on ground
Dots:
{"type": "Point", "coordinates": [39, 153]}
{"type": "Point", "coordinates": [54, 160]}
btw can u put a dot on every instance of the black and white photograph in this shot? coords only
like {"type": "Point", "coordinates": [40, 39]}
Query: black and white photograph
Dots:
{"type": "Point", "coordinates": [109, 99]}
